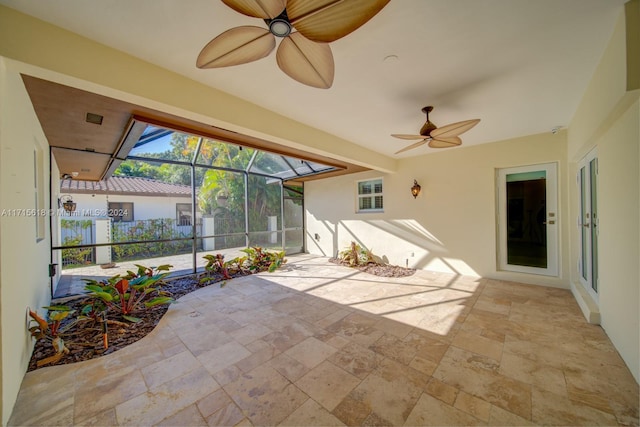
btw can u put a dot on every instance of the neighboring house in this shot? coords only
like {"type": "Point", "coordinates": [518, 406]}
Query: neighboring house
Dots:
{"type": "Point", "coordinates": [128, 198]}
{"type": "Point", "coordinates": [139, 208]}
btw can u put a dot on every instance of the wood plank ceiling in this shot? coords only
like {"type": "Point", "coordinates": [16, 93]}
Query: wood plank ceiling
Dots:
{"type": "Point", "coordinates": [68, 118]}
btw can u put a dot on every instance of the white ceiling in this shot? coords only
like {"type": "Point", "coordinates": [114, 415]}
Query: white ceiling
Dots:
{"type": "Point", "coordinates": [520, 66]}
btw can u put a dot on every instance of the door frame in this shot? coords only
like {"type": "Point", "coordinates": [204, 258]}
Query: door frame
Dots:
{"type": "Point", "coordinates": [552, 219]}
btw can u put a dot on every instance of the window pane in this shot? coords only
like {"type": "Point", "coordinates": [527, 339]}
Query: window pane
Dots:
{"type": "Point", "coordinates": [377, 187]}
{"type": "Point", "coordinates": [294, 191]}
{"type": "Point", "coordinates": [167, 145]}
{"type": "Point", "coordinates": [300, 166]}
{"type": "Point", "coordinates": [365, 203]}
{"type": "Point", "coordinates": [265, 215]}
{"type": "Point", "coordinates": [293, 213]}
{"type": "Point", "coordinates": [153, 140]}
{"type": "Point", "coordinates": [271, 164]}
{"type": "Point", "coordinates": [319, 167]}
{"type": "Point", "coordinates": [364, 187]}
{"type": "Point", "coordinates": [378, 202]}
{"type": "Point", "coordinates": [120, 211]}
{"type": "Point", "coordinates": [183, 213]}
{"type": "Point", "coordinates": [216, 153]}
{"type": "Point", "coordinates": [526, 214]}
{"type": "Point", "coordinates": [221, 201]}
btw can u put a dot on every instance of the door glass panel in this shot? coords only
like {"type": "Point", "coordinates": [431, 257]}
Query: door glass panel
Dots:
{"type": "Point", "coordinates": [526, 219]}
{"type": "Point", "coordinates": [584, 224]}
{"type": "Point", "coordinates": [594, 225]}
{"type": "Point", "coordinates": [588, 224]}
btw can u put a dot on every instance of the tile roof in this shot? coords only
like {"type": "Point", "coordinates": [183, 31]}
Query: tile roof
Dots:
{"type": "Point", "coordinates": [125, 185]}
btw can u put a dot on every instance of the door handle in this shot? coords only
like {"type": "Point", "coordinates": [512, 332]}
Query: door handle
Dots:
{"type": "Point", "coordinates": [586, 225]}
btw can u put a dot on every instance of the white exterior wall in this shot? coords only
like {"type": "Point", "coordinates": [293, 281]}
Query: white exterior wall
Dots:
{"type": "Point", "coordinates": [451, 226]}
{"type": "Point", "coordinates": [608, 119]}
{"type": "Point", "coordinates": [24, 273]}
{"type": "Point", "coordinates": [144, 207]}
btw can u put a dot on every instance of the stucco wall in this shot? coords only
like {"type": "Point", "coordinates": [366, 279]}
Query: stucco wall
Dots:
{"type": "Point", "coordinates": [24, 278]}
{"type": "Point", "coordinates": [608, 119]}
{"type": "Point", "coordinates": [144, 207]}
{"type": "Point", "coordinates": [451, 226]}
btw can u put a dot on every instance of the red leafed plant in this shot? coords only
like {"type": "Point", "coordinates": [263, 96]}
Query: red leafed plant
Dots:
{"type": "Point", "coordinates": [133, 292]}
{"type": "Point", "coordinates": [51, 331]}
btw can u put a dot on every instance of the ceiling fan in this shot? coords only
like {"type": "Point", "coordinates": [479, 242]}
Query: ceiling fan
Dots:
{"type": "Point", "coordinates": [444, 137]}
{"type": "Point", "coordinates": [303, 55]}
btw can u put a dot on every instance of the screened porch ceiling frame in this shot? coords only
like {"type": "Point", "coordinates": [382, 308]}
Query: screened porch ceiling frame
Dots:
{"type": "Point", "coordinates": [93, 150]}
{"type": "Point", "coordinates": [134, 136]}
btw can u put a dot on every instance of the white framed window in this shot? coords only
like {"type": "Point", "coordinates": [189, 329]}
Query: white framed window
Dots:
{"type": "Point", "coordinates": [121, 211]}
{"type": "Point", "coordinates": [183, 213]}
{"type": "Point", "coordinates": [370, 195]}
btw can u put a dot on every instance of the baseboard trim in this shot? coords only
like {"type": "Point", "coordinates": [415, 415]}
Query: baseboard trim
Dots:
{"type": "Point", "coordinates": [589, 308]}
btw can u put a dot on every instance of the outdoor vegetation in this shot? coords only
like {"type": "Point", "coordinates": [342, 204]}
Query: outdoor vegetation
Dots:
{"type": "Point", "coordinates": [143, 231]}
{"type": "Point", "coordinates": [122, 309]}
{"type": "Point", "coordinates": [357, 256]}
{"type": "Point", "coordinates": [220, 191]}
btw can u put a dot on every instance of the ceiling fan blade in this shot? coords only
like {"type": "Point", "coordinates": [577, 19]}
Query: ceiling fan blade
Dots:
{"type": "Point", "coordinates": [265, 9]}
{"type": "Point", "coordinates": [328, 20]}
{"type": "Point", "coordinates": [306, 61]}
{"type": "Point", "coordinates": [236, 46]}
{"type": "Point", "coordinates": [412, 146]}
{"type": "Point", "coordinates": [452, 141]}
{"type": "Point", "coordinates": [454, 129]}
{"type": "Point", "coordinates": [405, 136]}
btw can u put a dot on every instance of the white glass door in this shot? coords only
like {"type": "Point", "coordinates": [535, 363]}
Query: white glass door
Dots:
{"type": "Point", "coordinates": [528, 219]}
{"type": "Point", "coordinates": [588, 222]}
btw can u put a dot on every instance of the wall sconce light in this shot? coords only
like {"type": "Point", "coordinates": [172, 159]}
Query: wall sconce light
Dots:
{"type": "Point", "coordinates": [67, 203]}
{"type": "Point", "coordinates": [415, 190]}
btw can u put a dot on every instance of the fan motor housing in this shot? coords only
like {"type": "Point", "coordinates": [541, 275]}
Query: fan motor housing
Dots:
{"type": "Point", "coordinates": [427, 127]}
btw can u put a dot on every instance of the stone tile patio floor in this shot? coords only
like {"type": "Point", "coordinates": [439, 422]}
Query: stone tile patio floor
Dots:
{"type": "Point", "coordinates": [320, 344]}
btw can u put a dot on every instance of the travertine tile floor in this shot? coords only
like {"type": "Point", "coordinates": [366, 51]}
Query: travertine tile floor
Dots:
{"type": "Point", "coordinates": [320, 344]}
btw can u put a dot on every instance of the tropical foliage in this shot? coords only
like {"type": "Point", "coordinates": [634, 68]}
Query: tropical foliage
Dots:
{"type": "Point", "coordinates": [77, 232]}
{"type": "Point", "coordinates": [50, 330]}
{"type": "Point", "coordinates": [257, 260]}
{"type": "Point", "coordinates": [143, 231]}
{"type": "Point", "coordinates": [220, 191]}
{"type": "Point", "coordinates": [355, 255]}
{"type": "Point", "coordinates": [135, 291]}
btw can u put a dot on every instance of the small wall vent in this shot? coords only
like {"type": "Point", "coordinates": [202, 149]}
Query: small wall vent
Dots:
{"type": "Point", "coordinates": [94, 118]}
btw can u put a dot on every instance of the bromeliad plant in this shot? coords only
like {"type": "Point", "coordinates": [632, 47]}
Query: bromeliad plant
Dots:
{"type": "Point", "coordinates": [132, 292]}
{"type": "Point", "coordinates": [215, 265]}
{"type": "Point", "coordinates": [355, 255]}
{"type": "Point", "coordinates": [51, 330]}
{"type": "Point", "coordinates": [260, 260]}
{"type": "Point", "coordinates": [257, 260]}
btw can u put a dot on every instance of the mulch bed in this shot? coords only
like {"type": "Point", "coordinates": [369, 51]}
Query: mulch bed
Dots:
{"type": "Point", "coordinates": [85, 340]}
{"type": "Point", "coordinates": [383, 270]}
